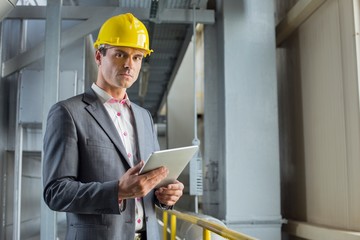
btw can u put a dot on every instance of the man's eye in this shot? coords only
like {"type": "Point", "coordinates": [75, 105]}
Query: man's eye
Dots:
{"type": "Point", "coordinates": [119, 55]}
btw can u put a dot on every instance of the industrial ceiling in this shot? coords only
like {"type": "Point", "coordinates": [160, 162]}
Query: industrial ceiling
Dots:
{"type": "Point", "coordinates": [170, 26]}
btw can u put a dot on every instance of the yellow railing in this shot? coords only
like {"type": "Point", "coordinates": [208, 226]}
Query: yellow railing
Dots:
{"type": "Point", "coordinates": [206, 225]}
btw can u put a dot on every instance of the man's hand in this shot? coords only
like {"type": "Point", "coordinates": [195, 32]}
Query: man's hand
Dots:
{"type": "Point", "coordinates": [170, 194]}
{"type": "Point", "coordinates": [133, 185]}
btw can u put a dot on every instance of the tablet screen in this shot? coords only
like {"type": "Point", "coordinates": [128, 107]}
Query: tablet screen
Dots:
{"type": "Point", "coordinates": [175, 160]}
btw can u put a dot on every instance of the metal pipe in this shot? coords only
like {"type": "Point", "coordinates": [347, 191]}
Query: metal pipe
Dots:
{"type": "Point", "coordinates": [195, 141]}
{"type": "Point", "coordinates": [311, 231]}
{"type": "Point", "coordinates": [18, 156]}
{"type": "Point", "coordinates": [194, 73]}
{"type": "Point", "coordinates": [275, 221]}
{"type": "Point", "coordinates": [17, 177]}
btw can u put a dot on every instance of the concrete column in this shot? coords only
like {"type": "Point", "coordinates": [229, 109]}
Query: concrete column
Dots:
{"type": "Point", "coordinates": [242, 182]}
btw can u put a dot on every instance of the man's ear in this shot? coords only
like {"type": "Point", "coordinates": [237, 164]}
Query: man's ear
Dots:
{"type": "Point", "coordinates": [98, 56]}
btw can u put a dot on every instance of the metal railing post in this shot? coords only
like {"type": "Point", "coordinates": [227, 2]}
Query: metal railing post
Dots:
{"type": "Point", "coordinates": [206, 234]}
{"type": "Point", "coordinates": [165, 221]}
{"type": "Point", "coordinates": [173, 226]}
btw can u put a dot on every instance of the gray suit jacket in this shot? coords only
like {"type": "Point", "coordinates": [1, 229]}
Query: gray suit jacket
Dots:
{"type": "Point", "coordinates": [83, 160]}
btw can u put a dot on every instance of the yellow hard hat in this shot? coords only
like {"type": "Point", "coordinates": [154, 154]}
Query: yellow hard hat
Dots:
{"type": "Point", "coordinates": [124, 30]}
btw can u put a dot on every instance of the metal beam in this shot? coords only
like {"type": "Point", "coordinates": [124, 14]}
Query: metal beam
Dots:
{"type": "Point", "coordinates": [295, 17]}
{"type": "Point", "coordinates": [72, 12]}
{"type": "Point", "coordinates": [185, 16]}
{"type": "Point", "coordinates": [68, 36]}
{"type": "Point", "coordinates": [51, 84]}
{"type": "Point", "coordinates": [84, 12]}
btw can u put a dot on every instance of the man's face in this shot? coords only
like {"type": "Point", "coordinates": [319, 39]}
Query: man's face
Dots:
{"type": "Point", "coordinates": [119, 68]}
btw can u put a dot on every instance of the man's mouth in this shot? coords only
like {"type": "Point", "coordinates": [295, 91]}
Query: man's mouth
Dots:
{"type": "Point", "coordinates": [125, 75]}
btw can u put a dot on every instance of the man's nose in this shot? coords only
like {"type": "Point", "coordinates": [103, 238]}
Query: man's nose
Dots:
{"type": "Point", "coordinates": [128, 63]}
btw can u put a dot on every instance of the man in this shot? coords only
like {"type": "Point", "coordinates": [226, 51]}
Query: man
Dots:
{"type": "Point", "coordinates": [95, 142]}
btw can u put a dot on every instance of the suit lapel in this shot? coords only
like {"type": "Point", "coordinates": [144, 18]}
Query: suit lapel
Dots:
{"type": "Point", "coordinates": [139, 125]}
{"type": "Point", "coordinates": [99, 113]}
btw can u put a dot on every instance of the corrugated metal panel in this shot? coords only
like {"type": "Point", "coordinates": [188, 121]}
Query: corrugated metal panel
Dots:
{"type": "Point", "coordinates": [135, 3]}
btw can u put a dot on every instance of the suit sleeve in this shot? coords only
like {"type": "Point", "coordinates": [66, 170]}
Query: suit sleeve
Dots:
{"type": "Point", "coordinates": [62, 190]}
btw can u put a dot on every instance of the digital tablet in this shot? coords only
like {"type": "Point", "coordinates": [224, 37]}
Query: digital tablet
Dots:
{"type": "Point", "coordinates": [175, 160]}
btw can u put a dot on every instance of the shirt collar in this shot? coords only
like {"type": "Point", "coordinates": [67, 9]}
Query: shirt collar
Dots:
{"type": "Point", "coordinates": [105, 97]}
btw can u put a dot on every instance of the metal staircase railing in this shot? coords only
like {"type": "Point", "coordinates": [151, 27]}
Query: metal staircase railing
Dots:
{"type": "Point", "coordinates": [207, 226]}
